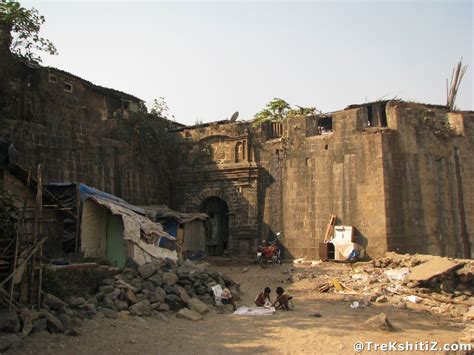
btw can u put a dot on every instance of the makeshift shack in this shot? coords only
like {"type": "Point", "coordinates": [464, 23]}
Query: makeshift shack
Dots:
{"type": "Point", "coordinates": [188, 228]}
{"type": "Point", "coordinates": [114, 230]}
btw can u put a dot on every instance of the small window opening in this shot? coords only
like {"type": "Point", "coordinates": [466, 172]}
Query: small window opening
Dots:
{"type": "Point", "coordinates": [326, 147]}
{"type": "Point", "coordinates": [308, 161]}
{"type": "Point", "coordinates": [53, 79]}
{"type": "Point", "coordinates": [125, 104]}
{"type": "Point", "coordinates": [383, 117]}
{"type": "Point", "coordinates": [325, 125]}
{"type": "Point", "coordinates": [370, 116]}
{"type": "Point", "coordinates": [68, 87]}
{"type": "Point", "coordinates": [376, 115]}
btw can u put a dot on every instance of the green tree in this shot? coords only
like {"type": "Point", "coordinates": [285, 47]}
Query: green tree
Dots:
{"type": "Point", "coordinates": [20, 28]}
{"type": "Point", "coordinates": [278, 109]}
{"type": "Point", "coordinates": [159, 108]}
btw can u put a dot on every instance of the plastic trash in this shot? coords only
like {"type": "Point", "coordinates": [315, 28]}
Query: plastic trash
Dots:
{"type": "Point", "coordinates": [217, 290]}
{"type": "Point", "coordinates": [413, 299]}
{"type": "Point", "coordinates": [397, 274]}
{"type": "Point", "coordinates": [355, 304]}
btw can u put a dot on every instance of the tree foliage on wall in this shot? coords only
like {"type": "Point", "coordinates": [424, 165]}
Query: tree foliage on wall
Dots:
{"type": "Point", "coordinates": [147, 133]}
{"type": "Point", "coordinates": [21, 28]}
{"type": "Point", "coordinates": [159, 108]}
{"type": "Point", "coordinates": [278, 109]}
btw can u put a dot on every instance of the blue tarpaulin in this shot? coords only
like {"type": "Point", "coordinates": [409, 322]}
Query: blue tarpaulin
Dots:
{"type": "Point", "coordinates": [87, 191]}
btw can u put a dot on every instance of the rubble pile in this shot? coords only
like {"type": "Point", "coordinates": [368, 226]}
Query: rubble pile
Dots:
{"type": "Point", "coordinates": [55, 316]}
{"type": "Point", "coordinates": [439, 285]}
{"type": "Point", "coordinates": [157, 288]}
{"type": "Point", "coordinates": [162, 286]}
{"type": "Point", "coordinates": [419, 282]}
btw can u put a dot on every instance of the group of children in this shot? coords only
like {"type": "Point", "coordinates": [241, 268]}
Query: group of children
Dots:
{"type": "Point", "coordinates": [282, 301]}
{"type": "Point", "coordinates": [263, 299]}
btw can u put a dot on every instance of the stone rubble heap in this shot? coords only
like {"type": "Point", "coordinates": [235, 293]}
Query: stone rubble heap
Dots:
{"type": "Point", "coordinates": [161, 286]}
{"type": "Point", "coordinates": [389, 277]}
{"type": "Point", "coordinates": [158, 288]}
{"type": "Point", "coordinates": [419, 282]}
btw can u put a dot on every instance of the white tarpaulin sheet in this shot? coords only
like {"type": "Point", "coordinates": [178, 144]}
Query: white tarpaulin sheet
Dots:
{"type": "Point", "coordinates": [254, 311]}
{"type": "Point", "coordinates": [139, 230]}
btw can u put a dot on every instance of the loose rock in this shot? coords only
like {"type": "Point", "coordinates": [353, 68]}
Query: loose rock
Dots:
{"type": "Point", "coordinates": [142, 308]}
{"type": "Point", "coordinates": [9, 322]}
{"type": "Point", "coordinates": [197, 305]}
{"type": "Point", "coordinates": [10, 341]}
{"type": "Point", "coordinates": [380, 321]}
{"type": "Point", "coordinates": [186, 313]}
{"type": "Point", "coordinates": [170, 278]}
{"type": "Point", "coordinates": [146, 270]}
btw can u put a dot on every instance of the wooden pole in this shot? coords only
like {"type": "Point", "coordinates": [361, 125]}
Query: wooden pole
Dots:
{"type": "Point", "coordinates": [35, 234]}
{"type": "Point", "coordinates": [40, 211]}
{"type": "Point", "coordinates": [17, 242]}
{"type": "Point", "coordinates": [78, 218]}
{"type": "Point", "coordinates": [332, 222]}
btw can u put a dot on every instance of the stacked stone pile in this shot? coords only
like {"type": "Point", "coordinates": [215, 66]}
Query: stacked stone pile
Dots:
{"type": "Point", "coordinates": [158, 288]}
{"type": "Point", "coordinates": [162, 286]}
{"type": "Point", "coordinates": [55, 316]}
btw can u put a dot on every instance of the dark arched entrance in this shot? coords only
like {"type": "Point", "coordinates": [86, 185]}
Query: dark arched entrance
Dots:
{"type": "Point", "coordinates": [217, 234]}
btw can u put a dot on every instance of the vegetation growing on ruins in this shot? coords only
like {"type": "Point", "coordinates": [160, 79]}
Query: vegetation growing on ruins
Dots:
{"type": "Point", "coordinates": [278, 109]}
{"type": "Point", "coordinates": [147, 133]}
{"type": "Point", "coordinates": [21, 26]}
{"type": "Point", "coordinates": [159, 108]}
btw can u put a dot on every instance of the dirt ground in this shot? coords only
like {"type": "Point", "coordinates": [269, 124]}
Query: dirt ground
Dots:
{"type": "Point", "coordinates": [286, 332]}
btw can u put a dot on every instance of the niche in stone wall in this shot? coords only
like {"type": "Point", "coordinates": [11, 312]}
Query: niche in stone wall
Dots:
{"type": "Point", "coordinates": [239, 152]}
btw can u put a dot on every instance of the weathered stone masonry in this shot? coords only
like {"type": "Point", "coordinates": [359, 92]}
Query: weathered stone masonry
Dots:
{"type": "Point", "coordinates": [64, 122]}
{"type": "Point", "coordinates": [400, 173]}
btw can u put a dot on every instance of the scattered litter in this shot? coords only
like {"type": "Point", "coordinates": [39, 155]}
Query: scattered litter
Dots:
{"type": "Point", "coordinates": [355, 304]}
{"type": "Point", "coordinates": [359, 277]}
{"type": "Point", "coordinates": [245, 269]}
{"type": "Point", "coordinates": [299, 261]}
{"type": "Point", "coordinates": [397, 274]}
{"type": "Point", "coordinates": [254, 311]}
{"type": "Point", "coordinates": [395, 289]}
{"type": "Point", "coordinates": [413, 299]}
{"type": "Point", "coordinates": [315, 315]}
{"type": "Point", "coordinates": [217, 290]}
{"type": "Point", "coordinates": [336, 284]}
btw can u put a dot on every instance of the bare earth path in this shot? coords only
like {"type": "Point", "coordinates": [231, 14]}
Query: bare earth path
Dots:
{"type": "Point", "coordinates": [290, 332]}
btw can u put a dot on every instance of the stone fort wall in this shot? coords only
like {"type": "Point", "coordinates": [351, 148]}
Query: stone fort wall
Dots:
{"type": "Point", "coordinates": [62, 121]}
{"type": "Point", "coordinates": [400, 173]}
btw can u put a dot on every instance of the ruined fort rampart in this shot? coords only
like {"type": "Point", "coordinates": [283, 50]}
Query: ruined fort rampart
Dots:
{"type": "Point", "coordinates": [400, 173]}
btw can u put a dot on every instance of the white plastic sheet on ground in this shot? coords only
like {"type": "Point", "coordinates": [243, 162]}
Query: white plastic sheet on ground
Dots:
{"type": "Point", "coordinates": [254, 311]}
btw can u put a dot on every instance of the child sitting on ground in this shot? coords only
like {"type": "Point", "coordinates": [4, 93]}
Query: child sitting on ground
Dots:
{"type": "Point", "coordinates": [263, 298]}
{"type": "Point", "coordinates": [283, 299]}
{"type": "Point", "coordinates": [227, 298]}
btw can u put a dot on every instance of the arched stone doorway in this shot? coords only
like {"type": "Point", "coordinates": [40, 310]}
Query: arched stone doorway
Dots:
{"type": "Point", "coordinates": [217, 236]}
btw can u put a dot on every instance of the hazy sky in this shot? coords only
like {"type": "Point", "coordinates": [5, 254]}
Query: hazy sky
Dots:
{"type": "Point", "coordinates": [211, 59]}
